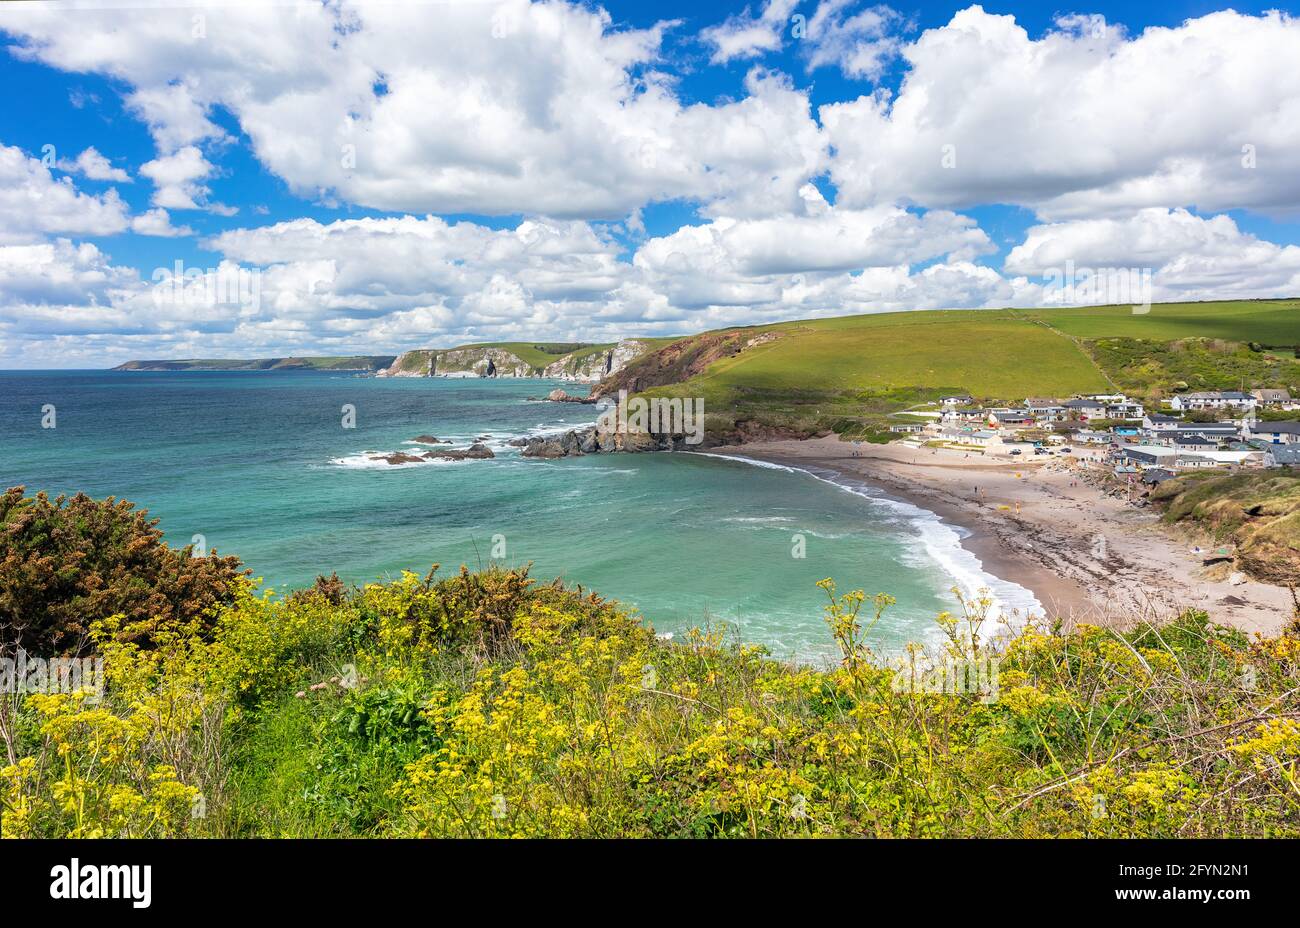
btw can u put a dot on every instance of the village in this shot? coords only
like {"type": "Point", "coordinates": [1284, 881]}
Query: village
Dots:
{"type": "Point", "coordinates": [1189, 431]}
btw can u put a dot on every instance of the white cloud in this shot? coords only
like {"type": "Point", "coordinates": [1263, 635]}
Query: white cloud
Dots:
{"type": "Point", "coordinates": [95, 166]}
{"type": "Point", "coordinates": [157, 222]}
{"type": "Point", "coordinates": [33, 203]}
{"type": "Point", "coordinates": [178, 180]}
{"type": "Point", "coordinates": [858, 43]}
{"type": "Point", "coordinates": [1083, 121]}
{"type": "Point", "coordinates": [493, 108]}
{"type": "Point", "coordinates": [749, 35]}
{"type": "Point", "coordinates": [1189, 257]}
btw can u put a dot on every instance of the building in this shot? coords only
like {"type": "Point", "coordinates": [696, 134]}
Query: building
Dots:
{"type": "Point", "coordinates": [1085, 409]}
{"type": "Point", "coordinates": [1044, 410]}
{"type": "Point", "coordinates": [1272, 397]}
{"type": "Point", "coordinates": [908, 428]}
{"type": "Point", "coordinates": [958, 399]}
{"type": "Point", "coordinates": [977, 439]}
{"type": "Point", "coordinates": [1172, 433]}
{"type": "Point", "coordinates": [1282, 456]}
{"type": "Point", "coordinates": [1228, 399]}
{"type": "Point", "coordinates": [1166, 457]}
{"type": "Point", "coordinates": [1274, 433]}
{"type": "Point", "coordinates": [1125, 409]}
{"type": "Point", "coordinates": [1194, 443]}
{"type": "Point", "coordinates": [1154, 423]}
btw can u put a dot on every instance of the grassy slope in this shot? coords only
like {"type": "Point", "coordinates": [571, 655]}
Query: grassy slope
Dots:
{"type": "Point", "coordinates": [1260, 513]}
{"type": "Point", "coordinates": [842, 373]}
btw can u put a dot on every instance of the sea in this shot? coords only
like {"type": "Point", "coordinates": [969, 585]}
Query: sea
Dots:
{"type": "Point", "coordinates": [277, 467]}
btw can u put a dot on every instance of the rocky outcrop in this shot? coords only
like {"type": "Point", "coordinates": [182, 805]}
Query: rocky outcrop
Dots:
{"type": "Point", "coordinates": [429, 440]}
{"type": "Point", "coordinates": [589, 365]}
{"type": "Point", "coordinates": [559, 396]}
{"type": "Point", "coordinates": [475, 452]}
{"type": "Point", "coordinates": [591, 440]}
{"type": "Point", "coordinates": [399, 457]}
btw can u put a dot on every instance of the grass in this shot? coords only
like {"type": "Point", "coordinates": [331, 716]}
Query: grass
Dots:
{"type": "Point", "coordinates": [1272, 323]}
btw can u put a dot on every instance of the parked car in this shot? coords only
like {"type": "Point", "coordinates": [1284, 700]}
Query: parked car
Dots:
{"type": "Point", "coordinates": [1016, 451]}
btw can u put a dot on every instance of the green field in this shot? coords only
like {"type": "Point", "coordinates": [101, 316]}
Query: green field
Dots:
{"type": "Point", "coordinates": [847, 373]}
{"type": "Point", "coordinates": [1272, 323]}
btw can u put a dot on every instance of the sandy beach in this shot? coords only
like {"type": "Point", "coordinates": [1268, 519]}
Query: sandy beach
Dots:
{"type": "Point", "coordinates": [1042, 523]}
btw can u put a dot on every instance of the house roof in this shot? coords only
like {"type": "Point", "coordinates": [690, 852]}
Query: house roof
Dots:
{"type": "Point", "coordinates": [1284, 454]}
{"type": "Point", "coordinates": [1282, 395]}
{"type": "Point", "coordinates": [1083, 404]}
{"type": "Point", "coordinates": [1279, 428]}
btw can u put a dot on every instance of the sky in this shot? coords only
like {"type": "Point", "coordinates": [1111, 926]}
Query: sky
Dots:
{"type": "Point", "coordinates": [268, 178]}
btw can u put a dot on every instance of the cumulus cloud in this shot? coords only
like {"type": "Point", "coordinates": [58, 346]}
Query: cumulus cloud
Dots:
{"type": "Point", "coordinates": [157, 222]}
{"type": "Point", "coordinates": [490, 108]}
{"type": "Point", "coordinates": [95, 166]}
{"type": "Point", "coordinates": [1083, 121]}
{"type": "Point", "coordinates": [34, 203]}
{"type": "Point", "coordinates": [860, 43]}
{"type": "Point", "coordinates": [748, 34]}
{"type": "Point", "coordinates": [1188, 257]}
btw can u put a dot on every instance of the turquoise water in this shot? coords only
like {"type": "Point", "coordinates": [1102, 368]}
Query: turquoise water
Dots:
{"type": "Point", "coordinates": [260, 465]}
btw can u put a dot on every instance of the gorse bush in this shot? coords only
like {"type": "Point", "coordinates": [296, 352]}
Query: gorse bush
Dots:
{"type": "Point", "coordinates": [67, 562]}
{"type": "Point", "coordinates": [488, 705]}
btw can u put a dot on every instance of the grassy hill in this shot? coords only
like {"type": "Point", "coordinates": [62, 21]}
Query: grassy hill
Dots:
{"type": "Point", "coordinates": [846, 373]}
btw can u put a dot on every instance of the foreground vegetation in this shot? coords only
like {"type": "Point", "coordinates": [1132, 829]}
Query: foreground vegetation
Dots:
{"type": "Point", "coordinates": [486, 704]}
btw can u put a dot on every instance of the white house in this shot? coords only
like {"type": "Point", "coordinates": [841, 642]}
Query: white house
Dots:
{"type": "Point", "coordinates": [1085, 408]}
{"type": "Point", "coordinates": [1275, 433]}
{"type": "Point", "coordinates": [1228, 399]}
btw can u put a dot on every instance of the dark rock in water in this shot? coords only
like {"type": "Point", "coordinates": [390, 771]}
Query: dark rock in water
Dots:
{"type": "Point", "coordinates": [399, 457]}
{"type": "Point", "coordinates": [429, 440]}
{"type": "Point", "coordinates": [544, 448]}
{"type": "Point", "coordinates": [589, 444]}
{"type": "Point", "coordinates": [518, 443]}
{"type": "Point", "coordinates": [559, 396]}
{"type": "Point", "coordinates": [474, 452]}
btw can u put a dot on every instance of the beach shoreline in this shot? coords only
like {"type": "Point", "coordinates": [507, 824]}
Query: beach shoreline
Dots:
{"type": "Point", "coordinates": [1087, 557]}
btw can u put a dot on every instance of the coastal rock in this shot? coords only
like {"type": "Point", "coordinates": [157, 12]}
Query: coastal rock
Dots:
{"type": "Point", "coordinates": [399, 457]}
{"type": "Point", "coordinates": [429, 440]}
{"type": "Point", "coordinates": [475, 452]}
{"type": "Point", "coordinates": [560, 396]}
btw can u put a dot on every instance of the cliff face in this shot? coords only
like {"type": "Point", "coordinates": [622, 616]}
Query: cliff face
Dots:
{"type": "Point", "coordinates": [588, 364]}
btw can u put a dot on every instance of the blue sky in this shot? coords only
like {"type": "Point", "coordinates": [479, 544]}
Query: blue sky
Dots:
{"type": "Point", "coordinates": [583, 171]}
